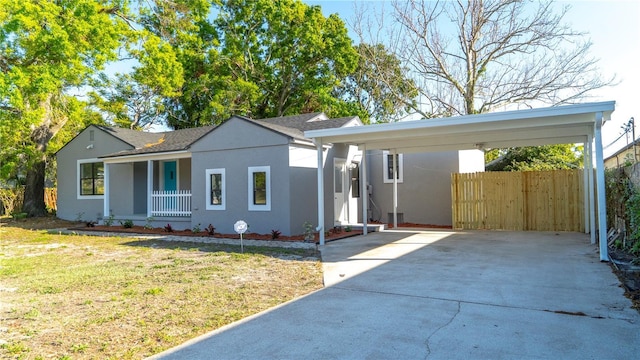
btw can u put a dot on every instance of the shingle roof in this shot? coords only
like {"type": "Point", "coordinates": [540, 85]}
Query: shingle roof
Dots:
{"type": "Point", "coordinates": [163, 142]}
{"type": "Point", "coordinates": [294, 126]}
{"type": "Point", "coordinates": [135, 138]}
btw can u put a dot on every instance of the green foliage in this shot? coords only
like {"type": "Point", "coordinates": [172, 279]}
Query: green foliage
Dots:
{"type": "Point", "coordinates": [262, 58]}
{"type": "Point", "coordinates": [109, 220]}
{"type": "Point", "coordinates": [379, 85]}
{"type": "Point", "coordinates": [633, 213]}
{"type": "Point", "coordinates": [535, 158]}
{"type": "Point", "coordinates": [127, 224]}
{"type": "Point", "coordinates": [196, 229]}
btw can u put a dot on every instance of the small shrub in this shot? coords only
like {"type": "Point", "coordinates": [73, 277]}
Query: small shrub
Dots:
{"type": "Point", "coordinates": [196, 229]}
{"type": "Point", "coordinates": [148, 224]}
{"type": "Point", "coordinates": [109, 220]}
{"type": "Point", "coordinates": [210, 230]}
{"type": "Point", "coordinates": [20, 215]}
{"type": "Point", "coordinates": [309, 231]}
{"type": "Point", "coordinates": [168, 228]}
{"type": "Point", "coordinates": [127, 224]}
{"type": "Point", "coordinates": [347, 228]}
{"type": "Point", "coordinates": [275, 234]}
{"type": "Point", "coordinates": [91, 224]}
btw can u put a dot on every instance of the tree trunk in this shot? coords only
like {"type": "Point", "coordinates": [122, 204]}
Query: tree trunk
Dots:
{"type": "Point", "coordinates": [34, 190]}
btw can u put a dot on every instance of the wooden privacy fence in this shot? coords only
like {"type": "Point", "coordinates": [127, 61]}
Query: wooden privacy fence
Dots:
{"type": "Point", "coordinates": [530, 200]}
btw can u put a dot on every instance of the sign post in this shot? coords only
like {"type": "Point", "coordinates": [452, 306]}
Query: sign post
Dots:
{"type": "Point", "coordinates": [240, 227]}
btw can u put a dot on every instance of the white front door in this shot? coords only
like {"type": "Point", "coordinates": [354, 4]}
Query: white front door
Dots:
{"type": "Point", "coordinates": [340, 194]}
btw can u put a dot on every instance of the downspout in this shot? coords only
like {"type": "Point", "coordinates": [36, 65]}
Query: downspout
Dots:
{"type": "Point", "coordinates": [602, 206]}
{"type": "Point", "coordinates": [320, 174]}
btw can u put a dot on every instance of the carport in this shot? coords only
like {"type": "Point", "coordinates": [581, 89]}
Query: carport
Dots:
{"type": "Point", "coordinates": [580, 123]}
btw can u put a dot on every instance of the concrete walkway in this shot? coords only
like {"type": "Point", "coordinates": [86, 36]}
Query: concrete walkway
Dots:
{"type": "Point", "coordinates": [444, 295]}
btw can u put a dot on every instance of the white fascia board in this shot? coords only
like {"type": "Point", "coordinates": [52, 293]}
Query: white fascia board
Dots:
{"type": "Point", "coordinates": [146, 157]}
{"type": "Point", "coordinates": [515, 115]}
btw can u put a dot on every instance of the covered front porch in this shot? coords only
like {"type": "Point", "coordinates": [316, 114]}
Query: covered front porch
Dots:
{"type": "Point", "coordinates": [149, 190]}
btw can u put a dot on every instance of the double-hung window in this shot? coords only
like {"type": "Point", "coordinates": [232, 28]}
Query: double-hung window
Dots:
{"type": "Point", "coordinates": [259, 189]}
{"type": "Point", "coordinates": [216, 189]}
{"type": "Point", "coordinates": [387, 166]}
{"type": "Point", "coordinates": [90, 179]}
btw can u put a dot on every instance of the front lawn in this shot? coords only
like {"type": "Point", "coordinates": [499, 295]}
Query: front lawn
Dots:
{"type": "Point", "coordinates": [74, 297]}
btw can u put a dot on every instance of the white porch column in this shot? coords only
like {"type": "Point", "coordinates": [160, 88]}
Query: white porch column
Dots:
{"type": "Point", "coordinates": [105, 211]}
{"type": "Point", "coordinates": [149, 187]}
{"type": "Point", "coordinates": [395, 189]}
{"type": "Point", "coordinates": [592, 195]}
{"type": "Point", "coordinates": [363, 190]}
{"type": "Point", "coordinates": [602, 206]}
{"type": "Point", "coordinates": [320, 227]}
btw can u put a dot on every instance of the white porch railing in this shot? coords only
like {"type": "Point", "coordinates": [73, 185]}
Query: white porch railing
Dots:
{"type": "Point", "coordinates": [171, 203]}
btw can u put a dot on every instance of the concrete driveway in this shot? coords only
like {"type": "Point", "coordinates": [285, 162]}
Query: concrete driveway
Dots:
{"type": "Point", "coordinates": [444, 295]}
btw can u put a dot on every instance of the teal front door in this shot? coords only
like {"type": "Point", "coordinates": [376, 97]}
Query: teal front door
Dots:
{"type": "Point", "coordinates": [170, 176]}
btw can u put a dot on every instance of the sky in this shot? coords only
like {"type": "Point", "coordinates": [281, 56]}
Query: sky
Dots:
{"type": "Point", "coordinates": [614, 29]}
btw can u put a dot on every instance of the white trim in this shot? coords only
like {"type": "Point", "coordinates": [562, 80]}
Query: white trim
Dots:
{"type": "Point", "coordinates": [251, 171]}
{"type": "Point", "coordinates": [385, 167]}
{"type": "Point", "coordinates": [173, 155]}
{"type": "Point", "coordinates": [320, 182]}
{"type": "Point", "coordinates": [79, 196]}
{"type": "Point", "coordinates": [223, 189]}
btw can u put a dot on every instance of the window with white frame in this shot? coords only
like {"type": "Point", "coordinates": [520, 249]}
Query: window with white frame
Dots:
{"type": "Point", "coordinates": [215, 189]}
{"type": "Point", "coordinates": [259, 189]}
{"type": "Point", "coordinates": [387, 167]}
{"type": "Point", "coordinates": [90, 179]}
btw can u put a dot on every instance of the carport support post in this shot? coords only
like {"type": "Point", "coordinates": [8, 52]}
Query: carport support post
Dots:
{"type": "Point", "coordinates": [585, 186]}
{"type": "Point", "coordinates": [320, 227]}
{"type": "Point", "coordinates": [363, 189]}
{"type": "Point", "coordinates": [602, 206]}
{"type": "Point", "coordinates": [591, 191]}
{"type": "Point", "coordinates": [395, 188]}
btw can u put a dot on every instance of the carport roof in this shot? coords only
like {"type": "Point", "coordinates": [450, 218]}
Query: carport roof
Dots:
{"type": "Point", "coordinates": [541, 126]}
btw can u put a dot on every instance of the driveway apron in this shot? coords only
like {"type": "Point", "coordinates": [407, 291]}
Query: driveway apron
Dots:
{"type": "Point", "coordinates": [416, 294]}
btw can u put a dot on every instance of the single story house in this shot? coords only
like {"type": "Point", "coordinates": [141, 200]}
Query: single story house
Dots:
{"type": "Point", "coordinates": [261, 171]}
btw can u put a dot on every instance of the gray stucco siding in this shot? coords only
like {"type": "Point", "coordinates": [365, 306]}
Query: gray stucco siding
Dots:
{"type": "Point", "coordinates": [70, 206]}
{"type": "Point", "coordinates": [236, 164]}
{"type": "Point", "coordinates": [235, 146]}
{"type": "Point", "coordinates": [140, 187]}
{"type": "Point", "coordinates": [424, 196]}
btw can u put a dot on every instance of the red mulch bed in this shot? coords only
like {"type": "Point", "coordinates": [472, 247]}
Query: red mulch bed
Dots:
{"type": "Point", "coordinates": [422, 226]}
{"type": "Point", "coordinates": [333, 234]}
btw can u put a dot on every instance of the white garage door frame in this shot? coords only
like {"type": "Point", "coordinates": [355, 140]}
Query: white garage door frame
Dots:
{"type": "Point", "coordinates": [580, 123]}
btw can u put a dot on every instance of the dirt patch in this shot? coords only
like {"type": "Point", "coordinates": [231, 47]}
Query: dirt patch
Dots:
{"type": "Point", "coordinates": [628, 273]}
{"type": "Point", "coordinates": [37, 223]}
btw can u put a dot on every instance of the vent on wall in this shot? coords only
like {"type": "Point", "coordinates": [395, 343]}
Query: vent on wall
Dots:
{"type": "Point", "coordinates": [390, 218]}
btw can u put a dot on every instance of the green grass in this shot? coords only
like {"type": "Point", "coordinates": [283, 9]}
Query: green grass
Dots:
{"type": "Point", "coordinates": [100, 297]}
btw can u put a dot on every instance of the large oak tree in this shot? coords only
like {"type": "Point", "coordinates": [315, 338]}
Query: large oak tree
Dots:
{"type": "Point", "coordinates": [47, 49]}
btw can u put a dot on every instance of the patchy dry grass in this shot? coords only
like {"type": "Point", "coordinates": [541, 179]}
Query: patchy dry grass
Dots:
{"type": "Point", "coordinates": [77, 297]}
